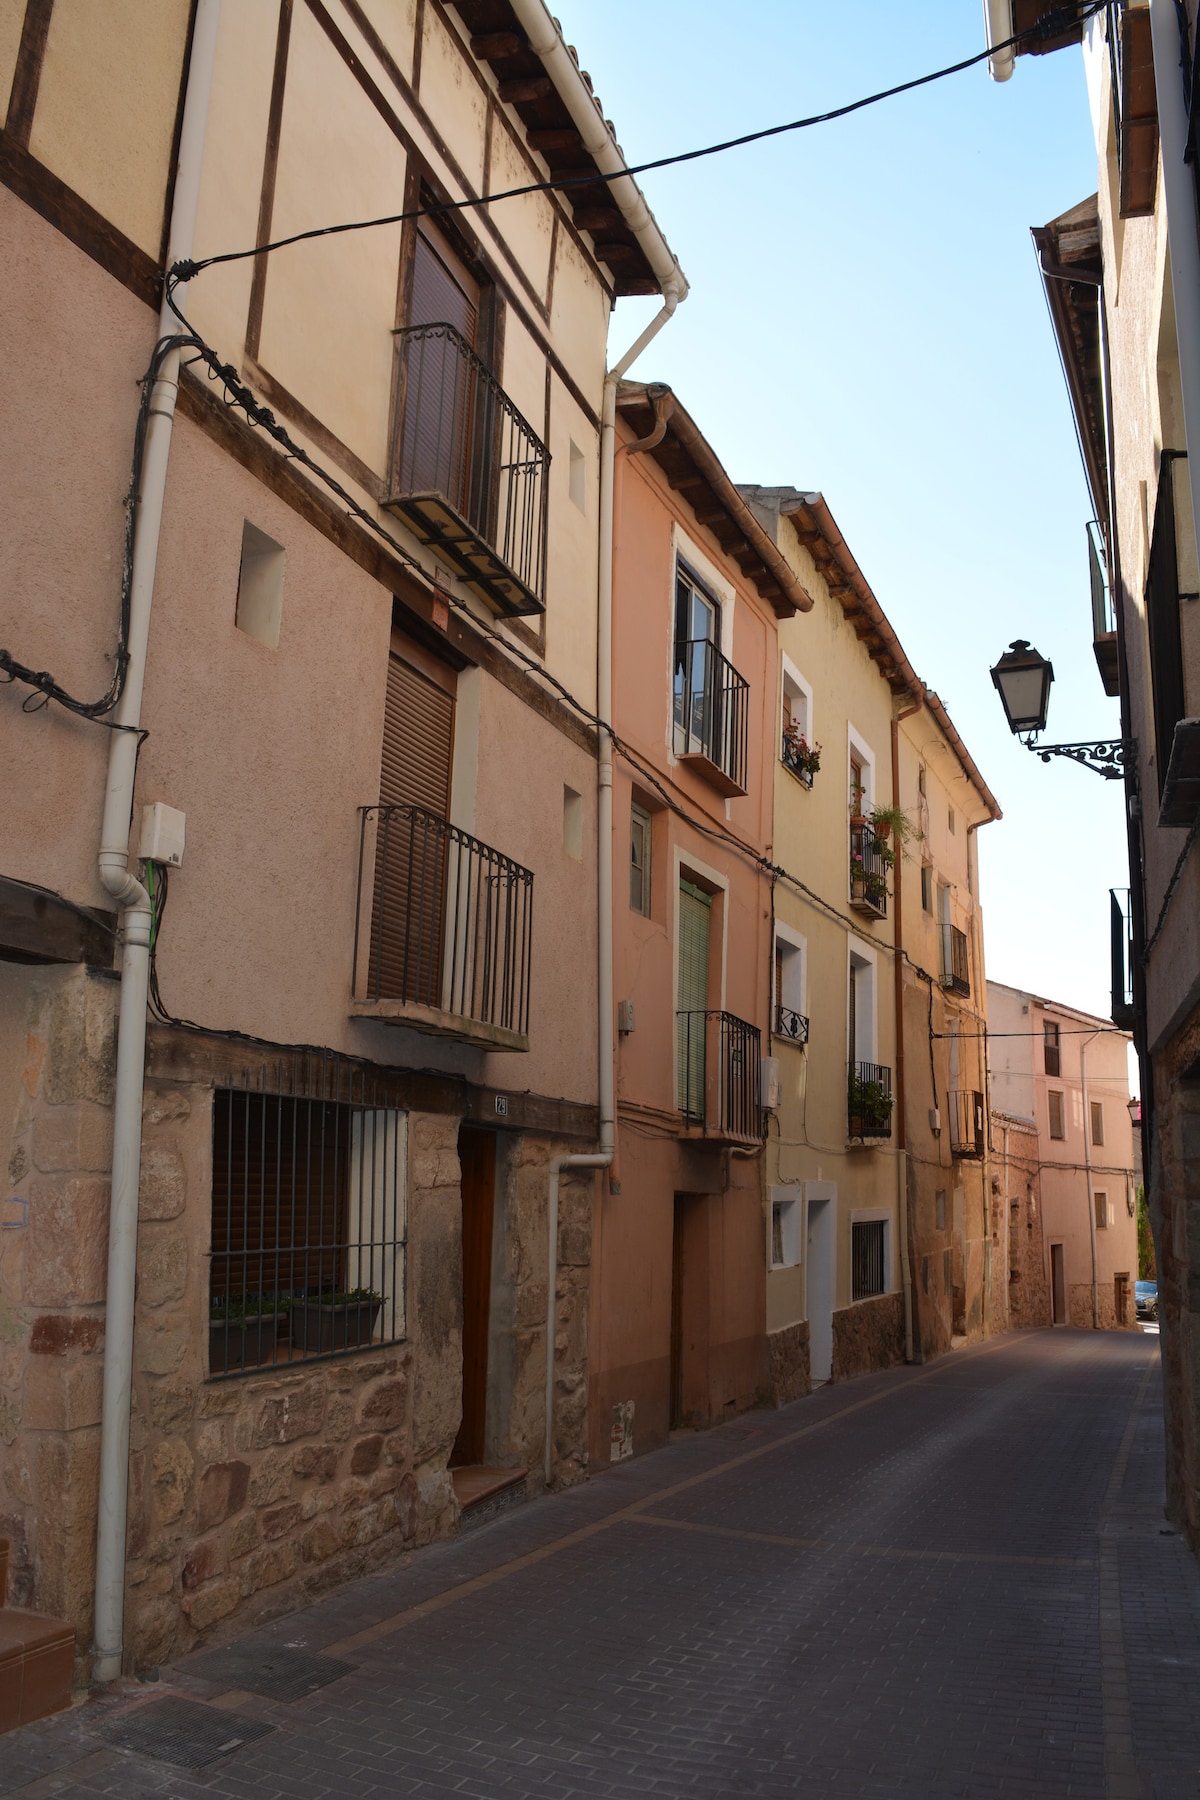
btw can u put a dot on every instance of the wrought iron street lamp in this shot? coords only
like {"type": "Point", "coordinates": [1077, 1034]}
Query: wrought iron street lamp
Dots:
{"type": "Point", "coordinates": [1022, 679]}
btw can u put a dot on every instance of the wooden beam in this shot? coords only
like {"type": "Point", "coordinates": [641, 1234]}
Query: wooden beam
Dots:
{"type": "Point", "coordinates": [525, 87]}
{"type": "Point", "coordinates": [560, 138]}
{"type": "Point", "coordinates": [682, 483]}
{"type": "Point", "coordinates": [616, 250]}
{"type": "Point", "coordinates": [494, 46]}
{"type": "Point", "coordinates": [596, 218]}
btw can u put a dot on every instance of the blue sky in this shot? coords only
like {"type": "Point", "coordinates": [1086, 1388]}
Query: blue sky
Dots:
{"type": "Point", "coordinates": [866, 318]}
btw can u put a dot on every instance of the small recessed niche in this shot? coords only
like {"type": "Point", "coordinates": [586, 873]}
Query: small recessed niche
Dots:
{"type": "Point", "coordinates": [575, 477]}
{"type": "Point", "coordinates": [260, 587]}
{"type": "Point", "coordinates": [573, 823]}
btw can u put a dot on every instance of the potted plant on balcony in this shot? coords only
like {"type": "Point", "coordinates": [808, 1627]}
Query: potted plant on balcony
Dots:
{"type": "Point", "coordinates": [803, 758]}
{"type": "Point", "coordinates": [886, 821]}
{"type": "Point", "coordinates": [869, 1106]}
{"type": "Point", "coordinates": [857, 816]}
{"type": "Point", "coordinates": [243, 1330]}
{"type": "Point", "coordinates": [329, 1320]}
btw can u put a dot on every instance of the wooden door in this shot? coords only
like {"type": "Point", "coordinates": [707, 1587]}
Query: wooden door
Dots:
{"type": "Point", "coordinates": [409, 916]}
{"type": "Point", "coordinates": [477, 1156]}
{"type": "Point", "coordinates": [676, 1395]}
{"type": "Point", "coordinates": [436, 447]}
{"type": "Point", "coordinates": [1058, 1286]}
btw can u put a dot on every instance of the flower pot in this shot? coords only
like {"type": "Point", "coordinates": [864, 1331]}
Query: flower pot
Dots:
{"type": "Point", "coordinates": [243, 1343]}
{"type": "Point", "coordinates": [318, 1329]}
{"type": "Point", "coordinates": [882, 831]}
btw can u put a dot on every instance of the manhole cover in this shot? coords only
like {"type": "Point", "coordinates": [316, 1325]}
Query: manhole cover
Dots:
{"type": "Point", "coordinates": [183, 1732]}
{"type": "Point", "coordinates": [274, 1670]}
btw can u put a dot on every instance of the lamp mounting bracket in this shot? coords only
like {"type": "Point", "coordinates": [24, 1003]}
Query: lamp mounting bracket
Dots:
{"type": "Point", "coordinates": [1104, 757]}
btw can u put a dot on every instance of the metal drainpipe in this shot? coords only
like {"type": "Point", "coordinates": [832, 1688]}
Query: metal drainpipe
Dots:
{"type": "Point", "coordinates": [606, 1022]}
{"type": "Point", "coordinates": [898, 976]}
{"type": "Point", "coordinates": [114, 872]}
{"type": "Point", "coordinates": [1087, 1163]}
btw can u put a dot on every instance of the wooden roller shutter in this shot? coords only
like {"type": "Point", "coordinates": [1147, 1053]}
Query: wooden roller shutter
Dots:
{"type": "Point", "coordinates": [411, 855]}
{"type": "Point", "coordinates": [435, 447]}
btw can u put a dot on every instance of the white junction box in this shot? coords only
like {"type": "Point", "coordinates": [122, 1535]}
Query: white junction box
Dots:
{"type": "Point", "coordinates": [162, 835]}
{"type": "Point", "coordinates": [772, 1087]}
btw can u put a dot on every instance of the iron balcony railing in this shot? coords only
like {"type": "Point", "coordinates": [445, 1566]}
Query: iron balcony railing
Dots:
{"type": "Point", "coordinates": [956, 965]}
{"type": "Point", "coordinates": [468, 472]}
{"type": "Point", "coordinates": [444, 921]}
{"type": "Point", "coordinates": [869, 864]}
{"type": "Point", "coordinates": [789, 1024]}
{"type": "Point", "coordinates": [968, 1123]}
{"type": "Point", "coordinates": [869, 1101]}
{"type": "Point", "coordinates": [1121, 918]}
{"type": "Point", "coordinates": [718, 1074]}
{"type": "Point", "coordinates": [1104, 621]}
{"type": "Point", "coordinates": [712, 713]}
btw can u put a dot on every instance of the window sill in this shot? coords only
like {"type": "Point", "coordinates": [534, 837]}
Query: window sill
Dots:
{"type": "Point", "coordinates": [436, 1023]}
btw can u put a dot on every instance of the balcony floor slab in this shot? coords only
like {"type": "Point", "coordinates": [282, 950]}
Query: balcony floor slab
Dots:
{"type": "Point", "coordinates": [436, 1023]}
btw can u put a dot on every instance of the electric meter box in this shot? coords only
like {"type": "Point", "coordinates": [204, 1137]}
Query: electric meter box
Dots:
{"type": "Point", "coordinates": [162, 835]}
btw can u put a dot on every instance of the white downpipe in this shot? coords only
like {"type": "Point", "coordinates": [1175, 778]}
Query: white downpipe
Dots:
{"type": "Point", "coordinates": [134, 901]}
{"type": "Point", "coordinates": [1087, 1163]}
{"type": "Point", "coordinates": [998, 23]}
{"type": "Point", "coordinates": [605, 999]}
{"type": "Point", "coordinates": [1180, 197]}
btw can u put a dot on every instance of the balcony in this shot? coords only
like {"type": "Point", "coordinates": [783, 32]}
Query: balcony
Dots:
{"type": "Point", "coordinates": [956, 966]}
{"type": "Point", "coordinates": [468, 472]}
{"type": "Point", "coordinates": [869, 1101]}
{"type": "Point", "coordinates": [1104, 619]}
{"type": "Point", "coordinates": [968, 1122]}
{"type": "Point", "coordinates": [790, 1025]}
{"type": "Point", "coordinates": [1181, 783]}
{"type": "Point", "coordinates": [443, 934]}
{"type": "Point", "coordinates": [711, 716]}
{"type": "Point", "coordinates": [718, 1076]}
{"type": "Point", "coordinates": [1121, 921]}
{"type": "Point", "coordinates": [869, 864]}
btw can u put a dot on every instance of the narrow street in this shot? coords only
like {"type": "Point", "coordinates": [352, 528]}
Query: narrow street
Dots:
{"type": "Point", "coordinates": [949, 1581]}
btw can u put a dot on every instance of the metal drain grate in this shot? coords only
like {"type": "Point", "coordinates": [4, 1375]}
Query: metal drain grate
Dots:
{"type": "Point", "coordinates": [183, 1732]}
{"type": "Point", "coordinates": [274, 1670]}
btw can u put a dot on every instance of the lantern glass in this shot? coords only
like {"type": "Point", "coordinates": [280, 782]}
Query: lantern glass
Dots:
{"type": "Point", "coordinates": [1022, 679]}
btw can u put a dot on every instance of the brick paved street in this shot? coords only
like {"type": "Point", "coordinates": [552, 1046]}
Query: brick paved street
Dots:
{"type": "Point", "coordinates": [940, 1582]}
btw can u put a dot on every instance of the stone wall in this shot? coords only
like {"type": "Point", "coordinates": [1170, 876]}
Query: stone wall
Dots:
{"type": "Point", "coordinates": [789, 1366]}
{"type": "Point", "coordinates": [251, 1493]}
{"type": "Point", "coordinates": [868, 1335]}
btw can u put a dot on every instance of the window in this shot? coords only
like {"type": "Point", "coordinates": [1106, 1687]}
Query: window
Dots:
{"type": "Point", "coordinates": [260, 587]}
{"type": "Point", "coordinates": [573, 823]}
{"type": "Point", "coordinates": [1057, 1125]}
{"type": "Point", "coordinates": [1162, 618]}
{"type": "Point", "coordinates": [940, 1208]}
{"type": "Point", "coordinates": [785, 1230]}
{"type": "Point", "coordinates": [947, 1272]}
{"type": "Point", "coordinates": [308, 1227]}
{"type": "Point", "coordinates": [797, 749]}
{"type": "Point", "coordinates": [927, 887]}
{"type": "Point", "coordinates": [711, 700]}
{"type": "Point", "coordinates": [692, 950]}
{"type": "Point", "coordinates": [789, 996]}
{"type": "Point", "coordinates": [858, 787]}
{"type": "Point", "coordinates": [1101, 1211]}
{"type": "Point", "coordinates": [577, 477]}
{"type": "Point", "coordinates": [867, 1248]}
{"type": "Point", "coordinates": [1051, 1045]}
{"type": "Point", "coordinates": [1097, 1122]}
{"type": "Point", "coordinates": [639, 860]}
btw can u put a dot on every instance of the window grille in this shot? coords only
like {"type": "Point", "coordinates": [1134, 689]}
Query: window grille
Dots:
{"type": "Point", "coordinates": [1057, 1122]}
{"type": "Point", "coordinates": [1101, 1211]}
{"type": "Point", "coordinates": [1052, 1050]}
{"type": "Point", "coordinates": [1097, 1121]}
{"type": "Point", "coordinates": [639, 860]}
{"type": "Point", "coordinates": [309, 1216]}
{"type": "Point", "coordinates": [866, 1258]}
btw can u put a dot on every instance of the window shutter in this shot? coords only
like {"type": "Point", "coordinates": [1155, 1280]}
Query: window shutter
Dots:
{"type": "Point", "coordinates": [418, 741]}
{"type": "Point", "coordinates": [410, 863]}
{"type": "Point", "coordinates": [695, 912]}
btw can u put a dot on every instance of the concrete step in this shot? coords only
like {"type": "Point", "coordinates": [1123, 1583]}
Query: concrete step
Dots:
{"type": "Point", "coordinates": [37, 1659]}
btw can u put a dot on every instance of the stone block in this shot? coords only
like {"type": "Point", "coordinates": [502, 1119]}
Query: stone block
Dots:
{"type": "Point", "coordinates": [162, 1104]}
{"type": "Point", "coordinates": [18, 1164]}
{"type": "Point", "coordinates": [219, 1400]}
{"type": "Point", "coordinates": [212, 1441]}
{"type": "Point", "coordinates": [406, 1506]}
{"type": "Point", "coordinates": [162, 1266]}
{"type": "Point", "coordinates": [383, 1408]}
{"type": "Point", "coordinates": [63, 1395]}
{"type": "Point", "coordinates": [277, 1521]}
{"type": "Point", "coordinates": [73, 1137]}
{"type": "Point", "coordinates": [172, 1405]}
{"type": "Point", "coordinates": [54, 1334]}
{"type": "Point", "coordinates": [272, 1478]}
{"type": "Point", "coordinates": [244, 1536]}
{"type": "Point", "coordinates": [68, 1242]}
{"type": "Point", "coordinates": [339, 1419]}
{"type": "Point", "coordinates": [297, 1412]}
{"type": "Point", "coordinates": [221, 1492]}
{"type": "Point", "coordinates": [162, 1184]}
{"type": "Point", "coordinates": [320, 1542]}
{"type": "Point", "coordinates": [575, 1246]}
{"type": "Point", "coordinates": [81, 1047]}
{"type": "Point", "coordinates": [151, 1630]}
{"type": "Point", "coordinates": [172, 1478]}
{"type": "Point", "coordinates": [272, 1564]}
{"type": "Point", "coordinates": [315, 1460]}
{"type": "Point", "coordinates": [369, 1523]}
{"type": "Point", "coordinates": [364, 1458]}
{"type": "Point", "coordinates": [205, 1562]}
{"type": "Point", "coordinates": [208, 1605]}
{"type": "Point", "coordinates": [161, 1343]}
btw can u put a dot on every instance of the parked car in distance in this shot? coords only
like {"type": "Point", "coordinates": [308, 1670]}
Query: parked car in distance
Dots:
{"type": "Point", "coordinates": [1145, 1299]}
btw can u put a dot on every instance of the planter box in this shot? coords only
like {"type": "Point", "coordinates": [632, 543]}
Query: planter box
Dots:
{"type": "Point", "coordinates": [243, 1343]}
{"type": "Point", "coordinates": [318, 1329]}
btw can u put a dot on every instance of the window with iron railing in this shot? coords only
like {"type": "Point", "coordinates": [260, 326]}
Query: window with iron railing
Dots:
{"type": "Point", "coordinates": [469, 473]}
{"type": "Point", "coordinates": [870, 861]}
{"type": "Point", "coordinates": [718, 1061]}
{"type": "Point", "coordinates": [956, 964]}
{"type": "Point", "coordinates": [308, 1235]}
{"type": "Point", "coordinates": [869, 1101]}
{"type": "Point", "coordinates": [968, 1123]}
{"type": "Point", "coordinates": [1121, 928]}
{"type": "Point", "coordinates": [712, 713]}
{"type": "Point", "coordinates": [868, 1258]}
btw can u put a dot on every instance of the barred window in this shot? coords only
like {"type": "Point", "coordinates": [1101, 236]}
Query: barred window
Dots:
{"type": "Point", "coordinates": [867, 1242]}
{"type": "Point", "coordinates": [308, 1228]}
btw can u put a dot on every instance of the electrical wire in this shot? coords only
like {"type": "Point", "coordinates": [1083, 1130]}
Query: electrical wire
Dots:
{"type": "Point", "coordinates": [1052, 24]}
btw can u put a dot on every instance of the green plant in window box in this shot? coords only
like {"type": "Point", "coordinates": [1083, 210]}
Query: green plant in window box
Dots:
{"type": "Point", "coordinates": [244, 1330]}
{"type": "Point", "coordinates": [803, 758]}
{"type": "Point", "coordinates": [329, 1320]}
{"type": "Point", "coordinates": [869, 1105]}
